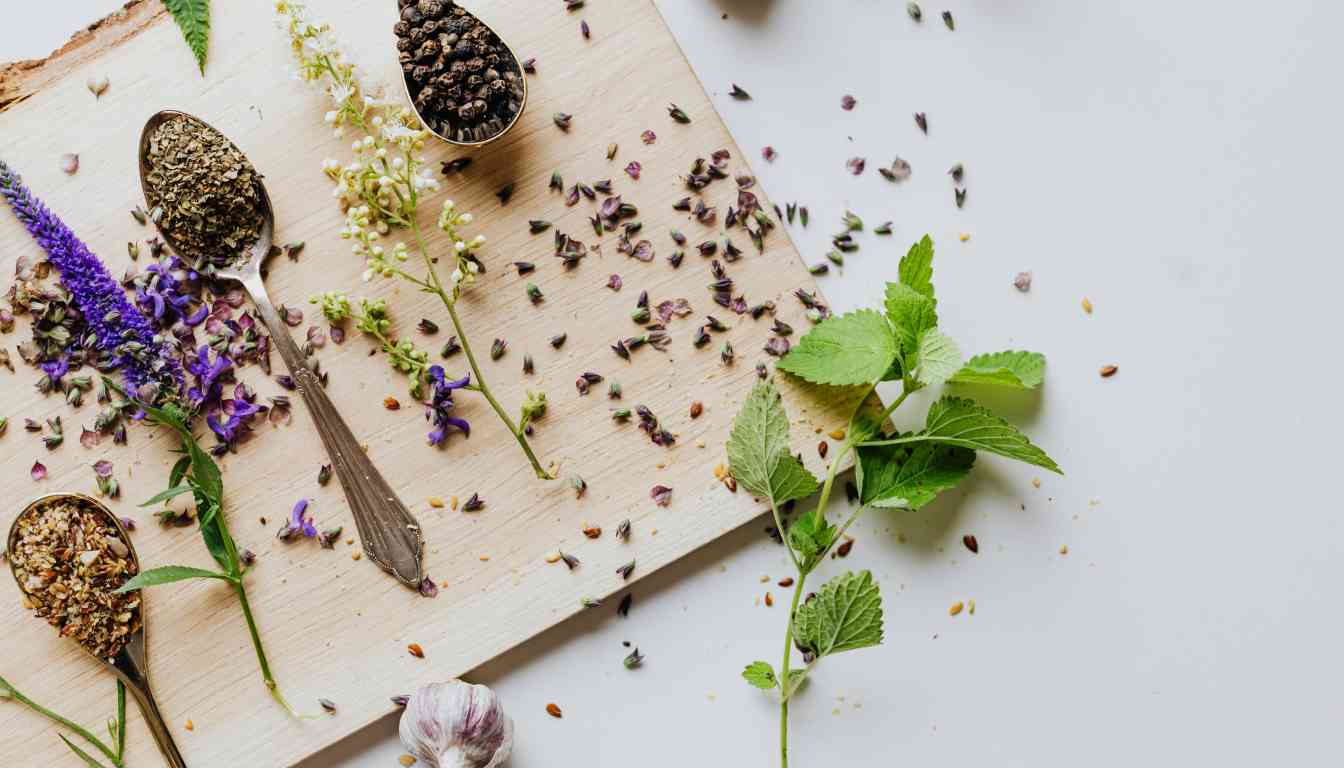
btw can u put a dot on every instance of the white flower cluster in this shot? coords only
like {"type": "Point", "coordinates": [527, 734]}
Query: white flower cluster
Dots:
{"type": "Point", "coordinates": [468, 265]}
{"type": "Point", "coordinates": [387, 173]}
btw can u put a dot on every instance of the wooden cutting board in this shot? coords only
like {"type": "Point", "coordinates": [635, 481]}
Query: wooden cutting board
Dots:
{"type": "Point", "coordinates": [337, 628]}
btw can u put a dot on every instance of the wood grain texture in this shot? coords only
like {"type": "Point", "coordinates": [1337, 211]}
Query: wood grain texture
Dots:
{"type": "Point", "coordinates": [335, 627]}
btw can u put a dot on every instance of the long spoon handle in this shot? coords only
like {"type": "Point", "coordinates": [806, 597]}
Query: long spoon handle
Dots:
{"type": "Point", "coordinates": [130, 666]}
{"type": "Point", "coordinates": [389, 533]}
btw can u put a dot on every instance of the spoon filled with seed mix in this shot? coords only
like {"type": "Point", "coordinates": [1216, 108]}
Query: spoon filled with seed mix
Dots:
{"type": "Point", "coordinates": [209, 203]}
{"type": "Point", "coordinates": [70, 555]}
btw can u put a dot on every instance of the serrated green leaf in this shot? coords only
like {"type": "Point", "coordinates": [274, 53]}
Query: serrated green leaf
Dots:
{"type": "Point", "coordinates": [810, 536]}
{"type": "Point", "coordinates": [845, 615]}
{"type": "Point", "coordinates": [909, 476]}
{"type": "Point", "coordinates": [850, 349]}
{"type": "Point", "coordinates": [916, 269]}
{"type": "Point", "coordinates": [168, 574]}
{"type": "Point", "coordinates": [958, 421]}
{"type": "Point", "coordinates": [758, 449]}
{"type": "Point", "coordinates": [911, 314]}
{"type": "Point", "coordinates": [761, 675]}
{"type": "Point", "coordinates": [193, 16]}
{"type": "Point", "coordinates": [937, 357]}
{"type": "Point", "coordinates": [1018, 370]}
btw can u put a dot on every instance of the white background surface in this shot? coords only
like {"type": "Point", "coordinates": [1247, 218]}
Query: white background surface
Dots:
{"type": "Point", "coordinates": [1175, 162]}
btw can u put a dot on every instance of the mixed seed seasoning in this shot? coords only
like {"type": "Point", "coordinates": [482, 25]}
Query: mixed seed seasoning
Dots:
{"type": "Point", "coordinates": [69, 558]}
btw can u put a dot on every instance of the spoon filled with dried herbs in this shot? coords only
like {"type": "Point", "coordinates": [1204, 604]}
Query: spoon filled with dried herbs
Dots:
{"type": "Point", "coordinates": [70, 556]}
{"type": "Point", "coordinates": [464, 82]}
{"type": "Point", "coordinates": [211, 207]}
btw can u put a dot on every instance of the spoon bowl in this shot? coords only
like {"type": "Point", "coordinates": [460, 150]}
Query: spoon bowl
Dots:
{"type": "Point", "coordinates": [389, 533]}
{"type": "Point", "coordinates": [131, 664]}
{"type": "Point", "coordinates": [514, 66]}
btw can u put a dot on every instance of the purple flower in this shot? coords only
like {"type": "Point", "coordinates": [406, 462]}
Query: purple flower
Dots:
{"type": "Point", "coordinates": [210, 376]}
{"type": "Point", "coordinates": [440, 406]}
{"type": "Point", "coordinates": [121, 331]}
{"type": "Point", "coordinates": [300, 523]}
{"type": "Point", "coordinates": [231, 420]}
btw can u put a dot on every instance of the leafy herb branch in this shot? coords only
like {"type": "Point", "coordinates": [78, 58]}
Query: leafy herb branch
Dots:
{"type": "Point", "coordinates": [198, 474]}
{"type": "Point", "coordinates": [898, 470]}
{"type": "Point", "coordinates": [116, 727]}
{"type": "Point", "coordinates": [380, 190]}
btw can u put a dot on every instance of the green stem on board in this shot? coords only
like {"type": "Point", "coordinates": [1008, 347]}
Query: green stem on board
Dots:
{"type": "Point", "coordinates": [448, 302]}
{"type": "Point", "coordinates": [78, 730]}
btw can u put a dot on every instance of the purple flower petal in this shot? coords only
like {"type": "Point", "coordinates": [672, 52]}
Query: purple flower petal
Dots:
{"type": "Point", "coordinates": [649, 137]}
{"type": "Point", "coordinates": [643, 251]}
{"type": "Point", "coordinates": [428, 588]}
{"type": "Point", "coordinates": [39, 471]}
{"type": "Point", "coordinates": [634, 169]}
{"type": "Point", "coordinates": [88, 438]}
{"type": "Point", "coordinates": [614, 282]}
{"type": "Point", "coordinates": [102, 468]}
{"type": "Point", "coordinates": [847, 102]}
{"type": "Point", "coordinates": [661, 495]}
{"type": "Point", "coordinates": [856, 165]}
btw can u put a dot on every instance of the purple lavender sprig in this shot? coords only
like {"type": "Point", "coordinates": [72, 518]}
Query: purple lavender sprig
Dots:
{"type": "Point", "coordinates": [148, 364]}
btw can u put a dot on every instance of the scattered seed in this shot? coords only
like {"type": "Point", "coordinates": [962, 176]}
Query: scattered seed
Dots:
{"type": "Point", "coordinates": [571, 562]}
{"type": "Point", "coordinates": [391, 403]}
{"type": "Point", "coordinates": [1107, 371]}
{"type": "Point", "coordinates": [955, 609]}
{"type": "Point", "coordinates": [611, 151]}
{"type": "Point", "coordinates": [947, 19]}
{"type": "Point", "coordinates": [844, 549]}
{"type": "Point", "coordinates": [455, 166]}
{"type": "Point", "coordinates": [592, 531]}
{"type": "Point", "coordinates": [678, 114]}
{"type": "Point", "coordinates": [415, 650]}
{"type": "Point", "coordinates": [623, 610]}
{"type": "Point", "coordinates": [505, 193]}
{"type": "Point", "coordinates": [497, 349]}
{"type": "Point", "coordinates": [786, 582]}
{"type": "Point", "coordinates": [553, 710]}
{"type": "Point", "coordinates": [623, 530]}
{"type": "Point", "coordinates": [823, 448]}
{"type": "Point", "coordinates": [697, 408]}
{"type": "Point", "coordinates": [406, 760]}
{"type": "Point", "coordinates": [562, 120]}
{"type": "Point", "coordinates": [1087, 305]}
{"type": "Point", "coordinates": [69, 162]}
{"type": "Point", "coordinates": [970, 542]}
{"type": "Point", "coordinates": [1022, 281]}
{"type": "Point", "coordinates": [914, 10]}
{"type": "Point", "coordinates": [739, 94]}
{"type": "Point", "coordinates": [922, 121]}
{"type": "Point", "coordinates": [328, 705]}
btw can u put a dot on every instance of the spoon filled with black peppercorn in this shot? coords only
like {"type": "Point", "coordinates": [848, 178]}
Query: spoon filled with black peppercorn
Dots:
{"type": "Point", "coordinates": [463, 81]}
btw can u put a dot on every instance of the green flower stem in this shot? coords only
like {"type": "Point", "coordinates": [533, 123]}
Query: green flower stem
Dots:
{"type": "Point", "coordinates": [786, 691]}
{"type": "Point", "coordinates": [121, 719]}
{"type": "Point", "coordinates": [108, 752]}
{"type": "Point", "coordinates": [436, 287]}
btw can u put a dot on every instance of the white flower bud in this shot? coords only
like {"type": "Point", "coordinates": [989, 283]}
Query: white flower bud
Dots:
{"type": "Point", "coordinates": [330, 117]}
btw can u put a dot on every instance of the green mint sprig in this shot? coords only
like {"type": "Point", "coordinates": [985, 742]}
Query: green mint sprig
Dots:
{"type": "Point", "coordinates": [894, 470]}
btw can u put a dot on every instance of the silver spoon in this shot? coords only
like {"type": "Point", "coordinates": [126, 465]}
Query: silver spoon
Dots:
{"type": "Point", "coordinates": [130, 665]}
{"type": "Point", "coordinates": [390, 535]}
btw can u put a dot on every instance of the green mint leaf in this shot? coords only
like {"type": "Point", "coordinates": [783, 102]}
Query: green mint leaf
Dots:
{"type": "Point", "coordinates": [167, 575]}
{"type": "Point", "coordinates": [213, 536]}
{"type": "Point", "coordinates": [1018, 370]}
{"type": "Point", "coordinates": [916, 269]}
{"type": "Point", "coordinates": [909, 476]}
{"type": "Point", "coordinates": [911, 313]}
{"type": "Point", "coordinates": [796, 678]}
{"type": "Point", "coordinates": [810, 536]}
{"type": "Point", "coordinates": [85, 756]}
{"type": "Point", "coordinates": [845, 615]}
{"type": "Point", "coordinates": [165, 495]}
{"type": "Point", "coordinates": [758, 449]}
{"type": "Point", "coordinates": [193, 16]}
{"type": "Point", "coordinates": [937, 357]}
{"type": "Point", "coordinates": [761, 675]}
{"type": "Point", "coordinates": [850, 349]}
{"type": "Point", "coordinates": [958, 421]}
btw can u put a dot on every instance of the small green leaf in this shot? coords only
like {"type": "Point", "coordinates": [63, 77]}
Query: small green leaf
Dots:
{"type": "Point", "coordinates": [845, 615]}
{"type": "Point", "coordinates": [850, 349]}
{"type": "Point", "coordinates": [85, 756]}
{"type": "Point", "coordinates": [761, 675]}
{"type": "Point", "coordinates": [958, 421]}
{"type": "Point", "coordinates": [909, 476]}
{"type": "Point", "coordinates": [205, 473]}
{"type": "Point", "coordinates": [1018, 370]}
{"type": "Point", "coordinates": [796, 678]}
{"type": "Point", "coordinates": [911, 314]}
{"type": "Point", "coordinates": [165, 495]}
{"type": "Point", "coordinates": [168, 574]}
{"type": "Point", "coordinates": [916, 269]}
{"type": "Point", "coordinates": [179, 471]}
{"type": "Point", "coordinates": [937, 359]}
{"type": "Point", "coordinates": [810, 536]}
{"type": "Point", "coordinates": [758, 449]}
{"type": "Point", "coordinates": [213, 536]}
{"type": "Point", "coordinates": [193, 16]}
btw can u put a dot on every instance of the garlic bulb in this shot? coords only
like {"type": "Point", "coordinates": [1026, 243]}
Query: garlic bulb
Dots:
{"type": "Point", "coordinates": [457, 725]}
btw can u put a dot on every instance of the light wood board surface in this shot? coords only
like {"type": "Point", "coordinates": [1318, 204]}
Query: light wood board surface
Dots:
{"type": "Point", "coordinates": [334, 627]}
